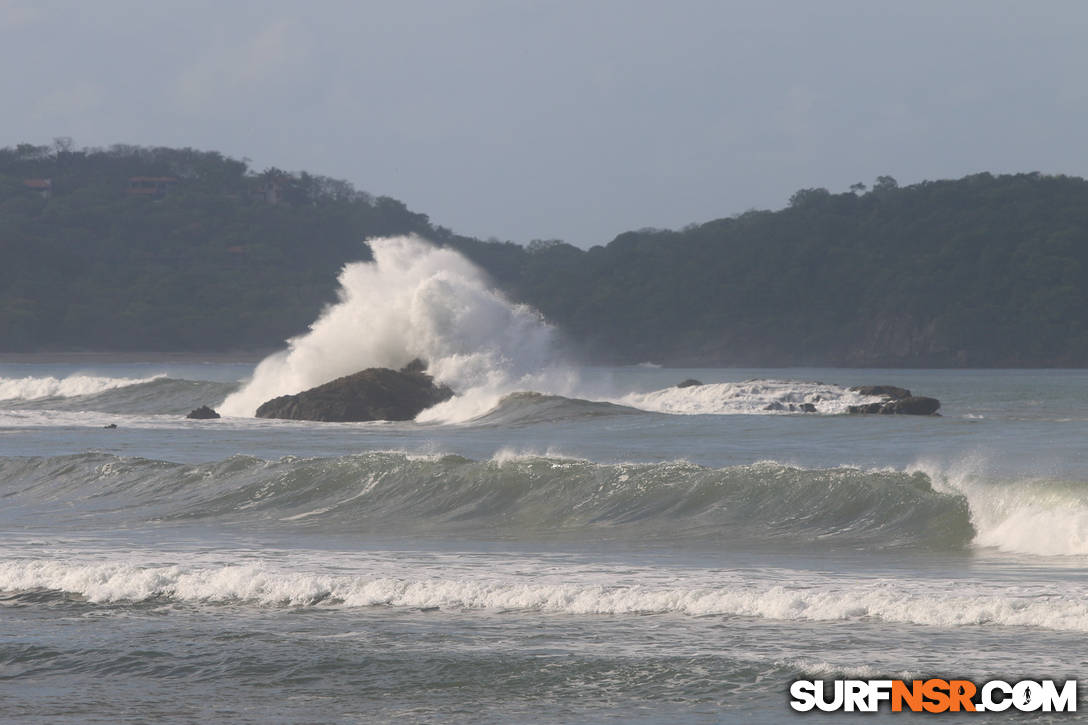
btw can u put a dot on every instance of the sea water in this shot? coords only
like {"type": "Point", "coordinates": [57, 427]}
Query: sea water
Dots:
{"type": "Point", "coordinates": [559, 543]}
{"type": "Point", "coordinates": [555, 560]}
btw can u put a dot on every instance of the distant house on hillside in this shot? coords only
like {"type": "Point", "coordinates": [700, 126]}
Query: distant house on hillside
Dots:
{"type": "Point", "coordinates": [155, 186]}
{"type": "Point", "coordinates": [269, 191]}
{"type": "Point", "coordinates": [44, 187]}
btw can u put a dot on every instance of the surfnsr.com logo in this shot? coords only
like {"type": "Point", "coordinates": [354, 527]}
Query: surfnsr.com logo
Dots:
{"type": "Point", "coordinates": [933, 695]}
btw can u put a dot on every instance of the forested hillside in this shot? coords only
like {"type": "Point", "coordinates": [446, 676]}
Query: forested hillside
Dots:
{"type": "Point", "coordinates": [983, 271]}
{"type": "Point", "coordinates": [164, 249]}
{"type": "Point", "coordinates": [132, 248]}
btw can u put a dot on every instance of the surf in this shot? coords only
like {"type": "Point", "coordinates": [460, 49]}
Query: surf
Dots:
{"type": "Point", "coordinates": [1030, 514]}
{"type": "Point", "coordinates": [751, 397]}
{"type": "Point", "coordinates": [38, 388]}
{"type": "Point", "coordinates": [926, 506]}
{"type": "Point", "coordinates": [510, 496]}
{"type": "Point", "coordinates": [450, 582]}
{"type": "Point", "coordinates": [416, 300]}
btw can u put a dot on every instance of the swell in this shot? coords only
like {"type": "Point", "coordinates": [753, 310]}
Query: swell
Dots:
{"type": "Point", "coordinates": [156, 395]}
{"type": "Point", "coordinates": [527, 408]}
{"type": "Point", "coordinates": [384, 492]}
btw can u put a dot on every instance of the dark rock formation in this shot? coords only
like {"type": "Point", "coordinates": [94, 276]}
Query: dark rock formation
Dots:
{"type": "Point", "coordinates": [807, 407]}
{"type": "Point", "coordinates": [886, 391]}
{"type": "Point", "coordinates": [689, 383]}
{"type": "Point", "coordinates": [867, 408]}
{"type": "Point", "coordinates": [203, 413]}
{"type": "Point", "coordinates": [110, 426]}
{"type": "Point", "coordinates": [897, 401]}
{"type": "Point", "coordinates": [913, 405]}
{"type": "Point", "coordinates": [373, 394]}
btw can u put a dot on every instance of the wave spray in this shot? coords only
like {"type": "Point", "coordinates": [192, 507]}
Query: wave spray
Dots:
{"type": "Point", "coordinates": [416, 300]}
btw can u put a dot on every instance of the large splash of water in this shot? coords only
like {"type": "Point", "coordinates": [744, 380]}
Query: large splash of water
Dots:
{"type": "Point", "coordinates": [416, 300]}
{"type": "Point", "coordinates": [1040, 515]}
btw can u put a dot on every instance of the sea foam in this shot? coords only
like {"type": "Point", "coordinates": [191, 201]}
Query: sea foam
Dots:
{"type": "Point", "coordinates": [941, 603]}
{"type": "Point", "coordinates": [749, 397]}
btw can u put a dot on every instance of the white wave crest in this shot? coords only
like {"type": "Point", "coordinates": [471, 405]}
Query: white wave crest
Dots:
{"type": "Point", "coordinates": [30, 388]}
{"type": "Point", "coordinates": [752, 396]}
{"type": "Point", "coordinates": [416, 300]}
{"type": "Point", "coordinates": [1036, 516]}
{"type": "Point", "coordinates": [942, 603]}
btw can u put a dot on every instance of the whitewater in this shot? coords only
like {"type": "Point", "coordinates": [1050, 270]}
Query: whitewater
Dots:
{"type": "Point", "coordinates": [415, 300]}
{"type": "Point", "coordinates": [558, 543]}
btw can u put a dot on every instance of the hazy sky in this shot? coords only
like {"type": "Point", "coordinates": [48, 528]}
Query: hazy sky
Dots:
{"type": "Point", "coordinates": [574, 120]}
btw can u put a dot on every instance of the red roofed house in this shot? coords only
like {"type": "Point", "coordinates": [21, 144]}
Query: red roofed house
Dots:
{"type": "Point", "coordinates": [42, 186]}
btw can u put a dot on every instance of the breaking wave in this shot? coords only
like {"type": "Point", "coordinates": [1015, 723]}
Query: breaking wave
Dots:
{"type": "Point", "coordinates": [507, 497]}
{"type": "Point", "coordinates": [154, 395]}
{"type": "Point", "coordinates": [752, 397]}
{"type": "Point", "coordinates": [749, 397]}
{"type": "Point", "coordinates": [537, 497]}
{"type": "Point", "coordinates": [30, 388]}
{"type": "Point", "coordinates": [795, 596]}
{"type": "Point", "coordinates": [1034, 515]}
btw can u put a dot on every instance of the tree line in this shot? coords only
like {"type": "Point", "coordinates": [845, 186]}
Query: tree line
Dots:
{"type": "Point", "coordinates": [988, 270]}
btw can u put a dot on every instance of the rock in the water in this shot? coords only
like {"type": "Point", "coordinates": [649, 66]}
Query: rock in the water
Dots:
{"type": "Point", "coordinates": [203, 413]}
{"type": "Point", "coordinates": [897, 401]}
{"type": "Point", "coordinates": [689, 383]}
{"type": "Point", "coordinates": [911, 405]}
{"type": "Point", "coordinates": [110, 426]}
{"type": "Point", "coordinates": [884, 391]}
{"type": "Point", "coordinates": [372, 394]}
{"type": "Point", "coordinates": [808, 407]}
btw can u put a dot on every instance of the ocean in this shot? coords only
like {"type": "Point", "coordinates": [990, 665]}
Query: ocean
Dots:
{"type": "Point", "coordinates": [554, 560]}
{"type": "Point", "coordinates": [558, 544]}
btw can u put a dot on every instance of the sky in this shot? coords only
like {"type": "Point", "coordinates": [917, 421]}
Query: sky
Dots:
{"type": "Point", "coordinates": [570, 119]}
